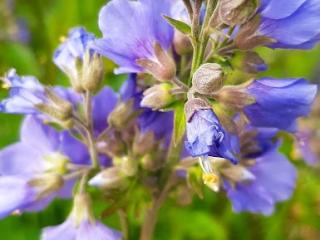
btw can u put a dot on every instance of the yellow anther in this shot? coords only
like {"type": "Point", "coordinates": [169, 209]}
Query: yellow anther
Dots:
{"type": "Point", "coordinates": [5, 85]}
{"type": "Point", "coordinates": [210, 178]}
{"type": "Point", "coordinates": [62, 39]}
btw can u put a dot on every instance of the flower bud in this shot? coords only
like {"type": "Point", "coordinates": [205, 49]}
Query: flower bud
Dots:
{"type": "Point", "coordinates": [122, 114]}
{"type": "Point", "coordinates": [208, 78]}
{"type": "Point", "coordinates": [236, 12]}
{"type": "Point", "coordinates": [181, 43]}
{"type": "Point", "coordinates": [143, 143]}
{"type": "Point", "coordinates": [234, 97]}
{"type": "Point", "coordinates": [157, 97]}
{"type": "Point", "coordinates": [92, 72]}
{"type": "Point", "coordinates": [127, 165]}
{"type": "Point", "coordinates": [110, 178]}
{"type": "Point", "coordinates": [253, 63]}
{"type": "Point", "coordinates": [193, 105]}
{"type": "Point", "coordinates": [163, 68]}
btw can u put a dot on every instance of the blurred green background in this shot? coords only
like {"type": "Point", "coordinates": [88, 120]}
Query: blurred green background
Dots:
{"type": "Point", "coordinates": [209, 218]}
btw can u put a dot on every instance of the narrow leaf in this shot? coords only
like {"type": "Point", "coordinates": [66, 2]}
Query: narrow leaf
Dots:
{"type": "Point", "coordinates": [181, 26]}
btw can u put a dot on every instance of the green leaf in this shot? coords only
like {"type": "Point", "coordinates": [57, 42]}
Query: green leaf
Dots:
{"type": "Point", "coordinates": [179, 123]}
{"type": "Point", "coordinates": [181, 26]}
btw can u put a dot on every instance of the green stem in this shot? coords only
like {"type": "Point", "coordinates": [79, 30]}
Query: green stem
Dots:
{"type": "Point", "coordinates": [89, 129]}
{"type": "Point", "coordinates": [124, 224]}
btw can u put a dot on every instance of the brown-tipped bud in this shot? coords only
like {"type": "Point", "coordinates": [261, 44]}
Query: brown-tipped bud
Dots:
{"type": "Point", "coordinates": [163, 69]}
{"type": "Point", "coordinates": [236, 12]}
{"type": "Point", "coordinates": [61, 105]}
{"type": "Point", "coordinates": [47, 184]}
{"type": "Point", "coordinates": [92, 72]}
{"type": "Point", "coordinates": [157, 97]}
{"type": "Point", "coordinates": [122, 114]}
{"type": "Point", "coordinates": [234, 97]}
{"type": "Point", "coordinates": [193, 105]}
{"type": "Point", "coordinates": [253, 63]}
{"type": "Point", "coordinates": [143, 143]}
{"type": "Point", "coordinates": [181, 43]}
{"type": "Point", "coordinates": [127, 165]}
{"type": "Point", "coordinates": [153, 162]}
{"type": "Point", "coordinates": [110, 178]}
{"type": "Point", "coordinates": [248, 36]}
{"type": "Point", "coordinates": [208, 78]}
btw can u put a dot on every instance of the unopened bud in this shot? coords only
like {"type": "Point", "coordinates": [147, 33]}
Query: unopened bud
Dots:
{"type": "Point", "coordinates": [92, 72]}
{"type": "Point", "coordinates": [181, 43]}
{"type": "Point", "coordinates": [236, 12]}
{"type": "Point", "coordinates": [208, 78]}
{"type": "Point", "coordinates": [253, 63]}
{"type": "Point", "coordinates": [193, 105]}
{"type": "Point", "coordinates": [122, 114]}
{"type": "Point", "coordinates": [127, 165]}
{"type": "Point", "coordinates": [153, 162]}
{"type": "Point", "coordinates": [234, 97]}
{"type": "Point", "coordinates": [110, 143]}
{"type": "Point", "coordinates": [143, 143]}
{"type": "Point", "coordinates": [157, 97]}
{"type": "Point", "coordinates": [82, 209]}
{"type": "Point", "coordinates": [237, 174]}
{"type": "Point", "coordinates": [248, 36]}
{"type": "Point", "coordinates": [110, 178]}
{"type": "Point", "coordinates": [163, 68]}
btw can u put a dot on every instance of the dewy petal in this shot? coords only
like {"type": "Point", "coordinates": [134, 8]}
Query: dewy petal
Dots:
{"type": "Point", "coordinates": [297, 30]}
{"type": "Point", "coordinates": [275, 179]}
{"type": "Point", "coordinates": [206, 136]}
{"type": "Point", "coordinates": [15, 194]}
{"type": "Point", "coordinates": [279, 102]}
{"type": "Point", "coordinates": [126, 39]}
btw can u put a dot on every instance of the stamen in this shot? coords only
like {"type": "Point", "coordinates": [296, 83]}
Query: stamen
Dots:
{"type": "Point", "coordinates": [210, 177]}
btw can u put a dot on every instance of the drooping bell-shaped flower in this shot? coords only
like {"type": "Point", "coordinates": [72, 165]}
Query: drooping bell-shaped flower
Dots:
{"type": "Point", "coordinates": [80, 225]}
{"type": "Point", "coordinates": [205, 134]}
{"type": "Point", "coordinates": [129, 39]}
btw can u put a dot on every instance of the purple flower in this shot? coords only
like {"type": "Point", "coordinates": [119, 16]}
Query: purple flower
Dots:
{"type": "Point", "coordinates": [291, 23]}
{"type": "Point", "coordinates": [31, 171]}
{"type": "Point", "coordinates": [72, 51]}
{"type": "Point", "coordinates": [125, 40]}
{"type": "Point", "coordinates": [80, 225]}
{"type": "Point", "coordinates": [272, 179]}
{"type": "Point", "coordinates": [207, 137]}
{"type": "Point", "coordinates": [279, 102]}
{"type": "Point", "coordinates": [25, 93]}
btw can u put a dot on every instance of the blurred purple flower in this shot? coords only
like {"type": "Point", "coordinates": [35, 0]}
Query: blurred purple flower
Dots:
{"type": "Point", "coordinates": [279, 102]}
{"type": "Point", "coordinates": [125, 40]}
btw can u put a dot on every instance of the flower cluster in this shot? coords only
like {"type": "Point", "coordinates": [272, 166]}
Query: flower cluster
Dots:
{"type": "Point", "coordinates": [178, 114]}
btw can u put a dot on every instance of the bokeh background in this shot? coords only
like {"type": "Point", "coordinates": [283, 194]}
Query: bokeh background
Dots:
{"type": "Point", "coordinates": [30, 30]}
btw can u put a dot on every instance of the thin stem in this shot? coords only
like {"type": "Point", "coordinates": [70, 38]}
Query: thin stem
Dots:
{"type": "Point", "coordinates": [180, 84]}
{"type": "Point", "coordinates": [124, 224]}
{"type": "Point", "coordinates": [188, 5]}
{"type": "Point", "coordinates": [150, 220]}
{"type": "Point", "coordinates": [89, 129]}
